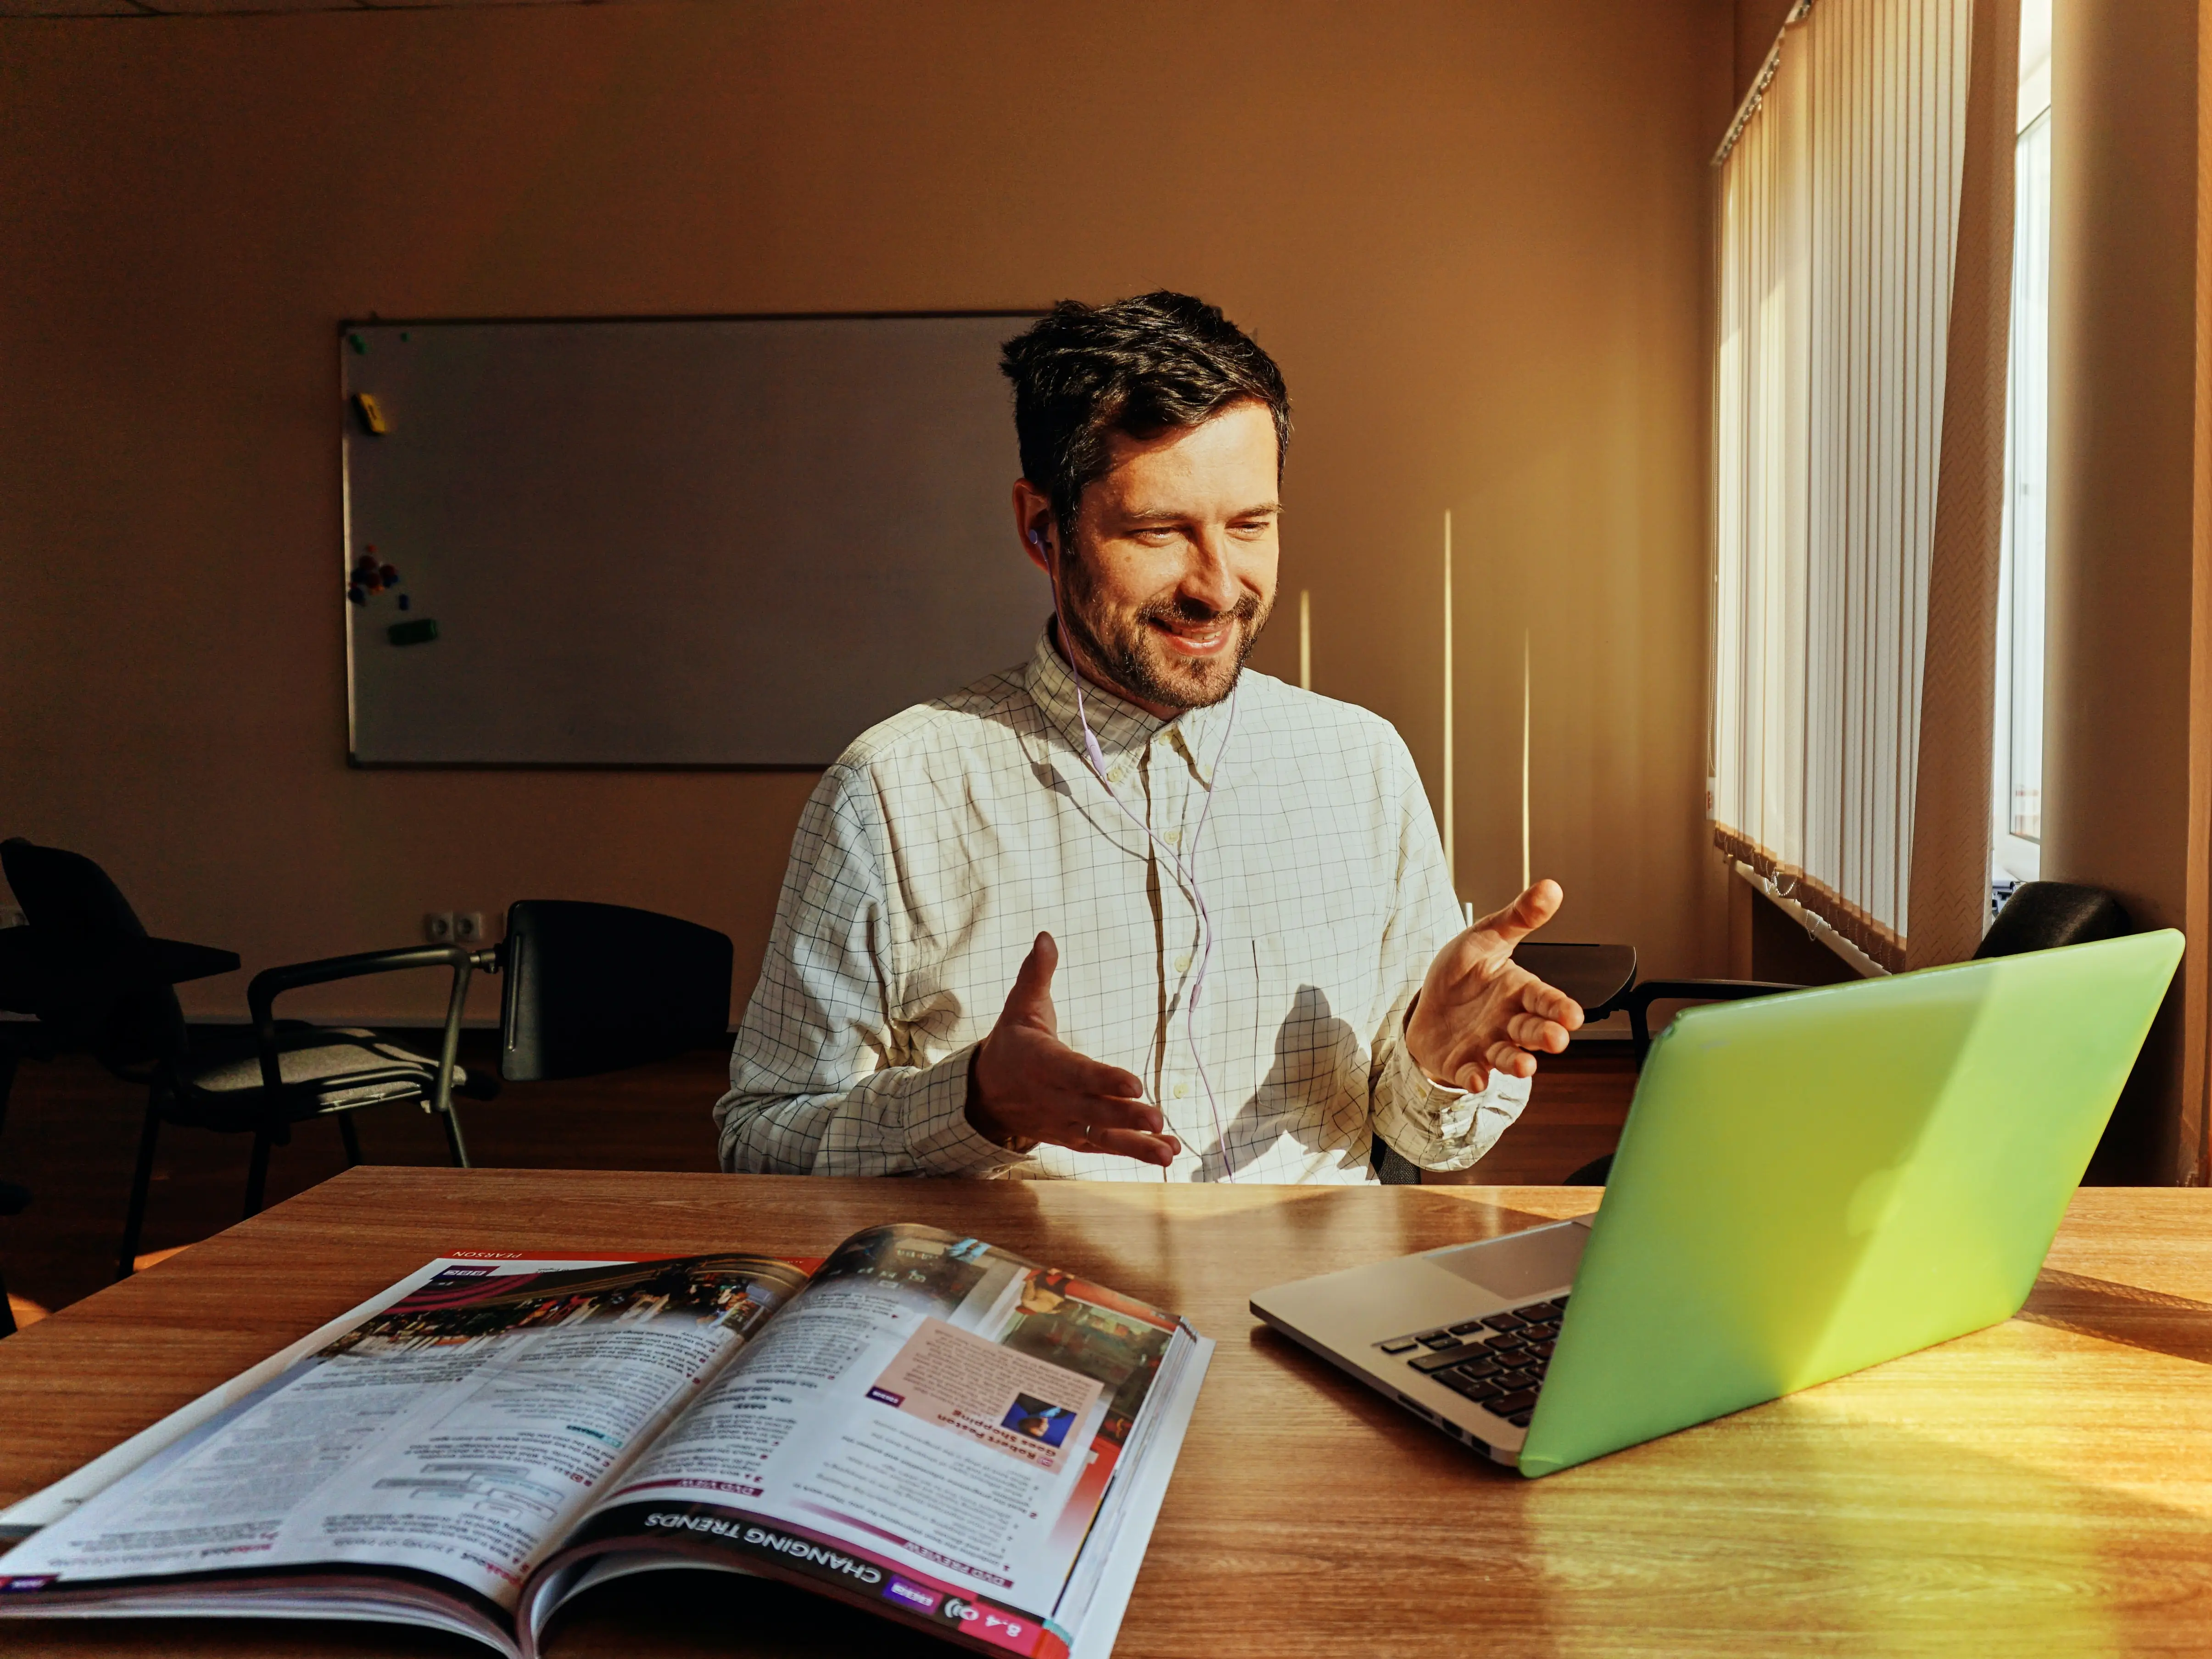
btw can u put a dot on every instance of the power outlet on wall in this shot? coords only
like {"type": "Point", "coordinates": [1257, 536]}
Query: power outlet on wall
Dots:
{"type": "Point", "coordinates": [454, 927]}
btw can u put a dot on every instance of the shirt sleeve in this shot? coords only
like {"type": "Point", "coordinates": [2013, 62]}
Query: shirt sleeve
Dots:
{"type": "Point", "coordinates": [1426, 1123]}
{"type": "Point", "coordinates": [823, 1080]}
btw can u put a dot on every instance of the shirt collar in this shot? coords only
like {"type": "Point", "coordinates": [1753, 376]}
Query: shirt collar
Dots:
{"type": "Point", "coordinates": [1122, 729]}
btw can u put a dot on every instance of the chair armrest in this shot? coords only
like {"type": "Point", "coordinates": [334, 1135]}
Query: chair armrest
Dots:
{"type": "Point", "coordinates": [1639, 999]}
{"type": "Point", "coordinates": [1649, 991]}
{"type": "Point", "coordinates": [272, 983]}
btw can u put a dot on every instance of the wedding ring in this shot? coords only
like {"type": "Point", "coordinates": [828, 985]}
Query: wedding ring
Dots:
{"type": "Point", "coordinates": [1086, 1134]}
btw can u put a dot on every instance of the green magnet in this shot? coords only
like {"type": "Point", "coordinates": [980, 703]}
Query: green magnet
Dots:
{"type": "Point", "coordinates": [359, 345]}
{"type": "Point", "coordinates": [421, 631]}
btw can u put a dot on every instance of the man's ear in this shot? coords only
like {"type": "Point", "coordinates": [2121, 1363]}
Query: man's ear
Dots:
{"type": "Point", "coordinates": [1033, 524]}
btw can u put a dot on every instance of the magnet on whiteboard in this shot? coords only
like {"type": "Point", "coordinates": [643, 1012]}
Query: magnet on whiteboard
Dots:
{"type": "Point", "coordinates": [372, 415]}
{"type": "Point", "coordinates": [421, 631]}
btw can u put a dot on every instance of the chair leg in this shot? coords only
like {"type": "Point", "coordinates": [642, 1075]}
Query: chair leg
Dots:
{"type": "Point", "coordinates": [256, 1172]}
{"type": "Point", "coordinates": [349, 1134]}
{"type": "Point", "coordinates": [141, 1182]}
{"type": "Point", "coordinates": [453, 1138]}
{"type": "Point", "coordinates": [1639, 1031]}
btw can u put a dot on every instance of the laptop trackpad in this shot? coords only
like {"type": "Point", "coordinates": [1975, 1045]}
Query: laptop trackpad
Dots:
{"type": "Point", "coordinates": [1520, 1265]}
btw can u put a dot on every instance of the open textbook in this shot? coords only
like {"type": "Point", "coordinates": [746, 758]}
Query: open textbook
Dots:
{"type": "Point", "coordinates": [923, 1425]}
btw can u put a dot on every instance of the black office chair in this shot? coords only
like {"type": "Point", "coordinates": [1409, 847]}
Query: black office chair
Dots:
{"type": "Point", "coordinates": [2040, 916]}
{"type": "Point", "coordinates": [599, 987]}
{"type": "Point", "coordinates": [590, 988]}
{"type": "Point", "coordinates": [260, 1083]}
{"type": "Point", "coordinates": [85, 968]}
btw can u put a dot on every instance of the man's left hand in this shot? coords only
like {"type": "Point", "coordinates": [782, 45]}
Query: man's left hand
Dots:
{"type": "Point", "coordinates": [1478, 1012]}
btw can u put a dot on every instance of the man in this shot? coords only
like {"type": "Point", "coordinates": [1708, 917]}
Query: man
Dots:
{"type": "Point", "coordinates": [1128, 912]}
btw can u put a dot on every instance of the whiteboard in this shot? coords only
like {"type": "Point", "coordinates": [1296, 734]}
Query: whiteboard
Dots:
{"type": "Point", "coordinates": [733, 542]}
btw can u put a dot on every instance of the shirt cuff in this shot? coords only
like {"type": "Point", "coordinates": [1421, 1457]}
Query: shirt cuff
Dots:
{"type": "Point", "coordinates": [1435, 1125]}
{"type": "Point", "coordinates": [1422, 1097]}
{"type": "Point", "coordinates": [938, 1136]}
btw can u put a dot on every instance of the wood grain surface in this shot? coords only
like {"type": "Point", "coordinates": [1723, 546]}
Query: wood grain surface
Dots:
{"type": "Point", "coordinates": [2044, 1486]}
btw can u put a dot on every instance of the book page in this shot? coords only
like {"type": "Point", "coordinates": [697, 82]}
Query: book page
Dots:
{"type": "Point", "coordinates": [933, 1423]}
{"type": "Point", "coordinates": [458, 1433]}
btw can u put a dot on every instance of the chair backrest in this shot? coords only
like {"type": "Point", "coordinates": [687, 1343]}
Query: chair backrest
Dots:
{"type": "Point", "coordinates": [594, 987]}
{"type": "Point", "coordinates": [67, 896]}
{"type": "Point", "coordinates": [2042, 916]}
{"type": "Point", "coordinates": [81, 918]}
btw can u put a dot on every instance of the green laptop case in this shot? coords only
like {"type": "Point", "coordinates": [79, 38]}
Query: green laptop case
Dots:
{"type": "Point", "coordinates": [1814, 1182]}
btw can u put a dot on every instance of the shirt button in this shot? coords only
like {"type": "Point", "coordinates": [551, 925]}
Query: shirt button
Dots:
{"type": "Point", "coordinates": [1182, 964]}
{"type": "Point", "coordinates": [1180, 1090]}
{"type": "Point", "coordinates": [1116, 776]}
{"type": "Point", "coordinates": [1174, 838]}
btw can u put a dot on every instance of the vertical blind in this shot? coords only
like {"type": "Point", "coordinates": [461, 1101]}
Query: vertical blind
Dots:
{"type": "Point", "coordinates": [1840, 220]}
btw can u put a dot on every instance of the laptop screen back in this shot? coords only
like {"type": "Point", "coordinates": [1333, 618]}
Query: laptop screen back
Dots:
{"type": "Point", "coordinates": [1811, 1183]}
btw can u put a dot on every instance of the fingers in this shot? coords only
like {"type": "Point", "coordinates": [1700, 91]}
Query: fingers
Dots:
{"type": "Point", "coordinates": [1104, 1082]}
{"type": "Point", "coordinates": [1125, 1128]}
{"type": "Point", "coordinates": [1160, 1149]}
{"type": "Point", "coordinates": [1512, 1060]}
{"type": "Point", "coordinates": [1030, 1001]}
{"type": "Point", "coordinates": [1535, 907]}
{"type": "Point", "coordinates": [1546, 1002]}
{"type": "Point", "coordinates": [1532, 1032]}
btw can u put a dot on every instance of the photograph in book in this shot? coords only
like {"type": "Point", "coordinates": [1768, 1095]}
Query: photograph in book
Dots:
{"type": "Point", "coordinates": [921, 1424]}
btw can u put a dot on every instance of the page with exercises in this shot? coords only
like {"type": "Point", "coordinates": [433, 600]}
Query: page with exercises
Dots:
{"type": "Point", "coordinates": [934, 1424]}
{"type": "Point", "coordinates": [448, 1441]}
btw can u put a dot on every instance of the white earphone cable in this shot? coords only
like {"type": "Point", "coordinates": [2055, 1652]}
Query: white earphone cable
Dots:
{"type": "Point", "coordinates": [1186, 874]}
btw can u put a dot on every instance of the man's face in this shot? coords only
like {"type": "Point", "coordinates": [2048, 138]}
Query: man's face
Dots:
{"type": "Point", "coordinates": [1171, 575]}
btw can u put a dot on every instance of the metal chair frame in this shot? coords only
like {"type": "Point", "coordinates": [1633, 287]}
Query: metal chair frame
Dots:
{"type": "Point", "coordinates": [275, 1126]}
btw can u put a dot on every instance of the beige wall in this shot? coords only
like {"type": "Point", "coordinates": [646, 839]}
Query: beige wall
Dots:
{"type": "Point", "coordinates": [1475, 234]}
{"type": "Point", "coordinates": [2123, 451]}
{"type": "Point", "coordinates": [1756, 24]}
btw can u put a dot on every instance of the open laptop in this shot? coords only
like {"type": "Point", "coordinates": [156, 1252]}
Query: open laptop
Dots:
{"type": "Point", "coordinates": [1808, 1184]}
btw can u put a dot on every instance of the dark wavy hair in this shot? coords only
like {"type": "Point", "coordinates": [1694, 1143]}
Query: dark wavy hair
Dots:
{"type": "Point", "coordinates": [1157, 363]}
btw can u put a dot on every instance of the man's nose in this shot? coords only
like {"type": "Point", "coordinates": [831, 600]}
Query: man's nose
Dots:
{"type": "Point", "coordinates": [1209, 579]}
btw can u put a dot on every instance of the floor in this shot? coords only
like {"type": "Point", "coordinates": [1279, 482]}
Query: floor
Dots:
{"type": "Point", "coordinates": [71, 1136]}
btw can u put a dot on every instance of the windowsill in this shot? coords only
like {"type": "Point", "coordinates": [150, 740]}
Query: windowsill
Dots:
{"type": "Point", "coordinates": [2020, 859]}
{"type": "Point", "coordinates": [1857, 960]}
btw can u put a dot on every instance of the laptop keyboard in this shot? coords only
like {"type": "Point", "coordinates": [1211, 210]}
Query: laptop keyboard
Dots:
{"type": "Point", "coordinates": [1497, 1361]}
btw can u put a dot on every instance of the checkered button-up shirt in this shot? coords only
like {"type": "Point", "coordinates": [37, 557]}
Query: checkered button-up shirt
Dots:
{"type": "Point", "coordinates": [947, 838]}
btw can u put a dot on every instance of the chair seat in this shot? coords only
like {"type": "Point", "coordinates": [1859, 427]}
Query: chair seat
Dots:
{"type": "Point", "coordinates": [325, 1070]}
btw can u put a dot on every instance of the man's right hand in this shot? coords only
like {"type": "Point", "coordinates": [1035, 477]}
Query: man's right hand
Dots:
{"type": "Point", "coordinates": [1024, 1084]}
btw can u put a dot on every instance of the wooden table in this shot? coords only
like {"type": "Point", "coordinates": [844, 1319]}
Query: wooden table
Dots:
{"type": "Point", "coordinates": [2042, 1487]}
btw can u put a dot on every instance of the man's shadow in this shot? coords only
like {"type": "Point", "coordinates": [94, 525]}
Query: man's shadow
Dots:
{"type": "Point", "coordinates": [1312, 1045]}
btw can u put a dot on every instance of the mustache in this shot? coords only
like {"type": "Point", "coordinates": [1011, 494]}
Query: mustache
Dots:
{"type": "Point", "coordinates": [1181, 608]}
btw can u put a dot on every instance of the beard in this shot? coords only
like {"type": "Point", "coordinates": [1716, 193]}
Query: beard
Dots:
{"type": "Point", "coordinates": [1125, 646]}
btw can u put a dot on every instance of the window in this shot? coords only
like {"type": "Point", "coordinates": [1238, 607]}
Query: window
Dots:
{"type": "Point", "coordinates": [1839, 237]}
{"type": "Point", "coordinates": [2016, 800]}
